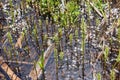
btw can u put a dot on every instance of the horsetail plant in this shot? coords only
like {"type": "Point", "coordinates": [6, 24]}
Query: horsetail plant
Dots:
{"type": "Point", "coordinates": [76, 34]}
{"type": "Point", "coordinates": [56, 52]}
{"type": "Point", "coordinates": [24, 33]}
{"type": "Point", "coordinates": [106, 53]}
{"type": "Point", "coordinates": [56, 39]}
{"type": "Point", "coordinates": [8, 52]}
{"type": "Point", "coordinates": [45, 37]}
{"type": "Point", "coordinates": [71, 39]}
{"type": "Point", "coordinates": [83, 30]}
{"type": "Point", "coordinates": [105, 58]}
{"type": "Point", "coordinates": [61, 55]}
{"type": "Point", "coordinates": [56, 61]}
{"type": "Point", "coordinates": [60, 33]}
{"type": "Point", "coordinates": [117, 60]}
{"type": "Point", "coordinates": [10, 39]}
{"type": "Point", "coordinates": [11, 10]}
{"type": "Point", "coordinates": [35, 33]}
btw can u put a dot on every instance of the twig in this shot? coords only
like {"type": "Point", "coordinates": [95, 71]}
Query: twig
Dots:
{"type": "Point", "coordinates": [92, 5]}
{"type": "Point", "coordinates": [18, 62]}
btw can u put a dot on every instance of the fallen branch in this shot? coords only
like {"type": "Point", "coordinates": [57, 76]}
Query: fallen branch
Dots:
{"type": "Point", "coordinates": [36, 71]}
{"type": "Point", "coordinates": [18, 62]}
{"type": "Point", "coordinates": [91, 4]}
{"type": "Point", "coordinates": [7, 69]}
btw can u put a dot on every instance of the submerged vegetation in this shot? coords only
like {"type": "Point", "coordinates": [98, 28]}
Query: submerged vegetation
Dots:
{"type": "Point", "coordinates": [85, 35]}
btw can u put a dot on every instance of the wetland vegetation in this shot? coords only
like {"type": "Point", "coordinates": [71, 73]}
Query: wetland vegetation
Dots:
{"type": "Point", "coordinates": [59, 40]}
